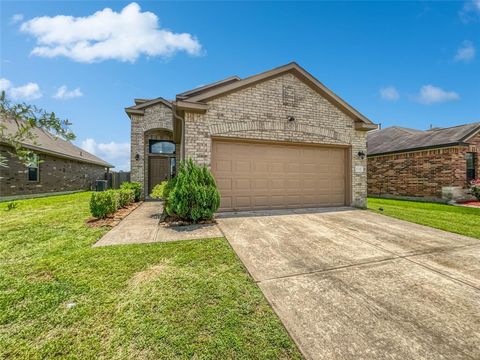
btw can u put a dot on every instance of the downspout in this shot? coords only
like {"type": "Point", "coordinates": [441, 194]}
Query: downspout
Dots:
{"type": "Point", "coordinates": [182, 136]}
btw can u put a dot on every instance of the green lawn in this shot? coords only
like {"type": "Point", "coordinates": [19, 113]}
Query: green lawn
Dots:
{"type": "Point", "coordinates": [461, 220]}
{"type": "Point", "coordinates": [190, 299]}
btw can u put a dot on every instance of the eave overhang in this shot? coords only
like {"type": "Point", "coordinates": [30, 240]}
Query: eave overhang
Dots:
{"type": "Point", "coordinates": [362, 126]}
{"type": "Point", "coordinates": [195, 107]}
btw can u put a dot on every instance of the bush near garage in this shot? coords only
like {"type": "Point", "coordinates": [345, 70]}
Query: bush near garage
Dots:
{"type": "Point", "coordinates": [192, 195]}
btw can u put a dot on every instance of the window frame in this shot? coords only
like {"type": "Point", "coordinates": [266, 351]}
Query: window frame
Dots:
{"type": "Point", "coordinates": [152, 142]}
{"type": "Point", "coordinates": [34, 163]}
{"type": "Point", "coordinates": [470, 172]}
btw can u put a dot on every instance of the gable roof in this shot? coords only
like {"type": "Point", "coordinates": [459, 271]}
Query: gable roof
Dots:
{"type": "Point", "coordinates": [211, 86]}
{"type": "Point", "coordinates": [397, 139]}
{"type": "Point", "coordinates": [141, 104]}
{"type": "Point", "coordinates": [293, 68]}
{"type": "Point", "coordinates": [46, 142]}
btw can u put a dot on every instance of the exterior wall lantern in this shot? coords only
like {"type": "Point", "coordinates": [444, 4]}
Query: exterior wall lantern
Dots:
{"type": "Point", "coordinates": [361, 155]}
{"type": "Point", "coordinates": [137, 157]}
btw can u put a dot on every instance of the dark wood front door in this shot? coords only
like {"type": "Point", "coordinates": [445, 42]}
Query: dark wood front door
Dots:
{"type": "Point", "coordinates": [158, 171]}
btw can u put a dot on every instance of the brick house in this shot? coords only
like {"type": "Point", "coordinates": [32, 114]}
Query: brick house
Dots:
{"type": "Point", "coordinates": [277, 139]}
{"type": "Point", "coordinates": [58, 167]}
{"type": "Point", "coordinates": [433, 164]}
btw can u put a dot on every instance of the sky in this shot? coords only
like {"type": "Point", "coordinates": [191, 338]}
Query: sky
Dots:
{"type": "Point", "coordinates": [412, 64]}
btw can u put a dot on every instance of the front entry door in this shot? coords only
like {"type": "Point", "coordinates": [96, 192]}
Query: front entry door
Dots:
{"type": "Point", "coordinates": [158, 170]}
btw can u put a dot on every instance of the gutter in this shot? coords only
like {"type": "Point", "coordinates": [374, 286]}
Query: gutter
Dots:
{"type": "Point", "coordinates": [182, 135]}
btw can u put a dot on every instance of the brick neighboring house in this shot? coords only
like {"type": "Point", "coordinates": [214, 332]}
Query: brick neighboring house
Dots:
{"type": "Point", "coordinates": [433, 164]}
{"type": "Point", "coordinates": [277, 139]}
{"type": "Point", "coordinates": [61, 167]}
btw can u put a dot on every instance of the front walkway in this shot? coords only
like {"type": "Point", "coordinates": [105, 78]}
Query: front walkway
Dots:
{"type": "Point", "coordinates": [142, 226]}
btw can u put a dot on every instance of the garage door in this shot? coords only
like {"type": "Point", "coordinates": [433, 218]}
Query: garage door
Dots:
{"type": "Point", "coordinates": [253, 176]}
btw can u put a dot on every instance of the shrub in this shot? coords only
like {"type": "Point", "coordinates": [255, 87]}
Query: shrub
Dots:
{"type": "Point", "coordinates": [125, 197]}
{"type": "Point", "coordinates": [104, 203]}
{"type": "Point", "coordinates": [158, 190]}
{"type": "Point", "coordinates": [135, 186]}
{"type": "Point", "coordinates": [475, 188]}
{"type": "Point", "coordinates": [193, 194]}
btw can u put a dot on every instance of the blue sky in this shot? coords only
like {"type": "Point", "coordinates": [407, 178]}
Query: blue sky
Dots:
{"type": "Point", "coordinates": [400, 63]}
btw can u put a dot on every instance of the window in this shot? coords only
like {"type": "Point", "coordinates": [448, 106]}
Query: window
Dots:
{"type": "Point", "coordinates": [173, 167]}
{"type": "Point", "coordinates": [32, 168]}
{"type": "Point", "coordinates": [161, 147]}
{"type": "Point", "coordinates": [470, 157]}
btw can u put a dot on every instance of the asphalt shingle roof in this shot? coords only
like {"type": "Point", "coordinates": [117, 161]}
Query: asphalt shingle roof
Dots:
{"type": "Point", "coordinates": [398, 139]}
{"type": "Point", "coordinates": [48, 143]}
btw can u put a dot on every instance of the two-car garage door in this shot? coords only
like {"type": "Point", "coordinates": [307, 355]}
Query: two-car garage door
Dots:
{"type": "Point", "coordinates": [253, 176]}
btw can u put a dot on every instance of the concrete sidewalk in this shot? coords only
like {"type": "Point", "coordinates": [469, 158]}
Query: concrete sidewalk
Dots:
{"type": "Point", "coordinates": [142, 226]}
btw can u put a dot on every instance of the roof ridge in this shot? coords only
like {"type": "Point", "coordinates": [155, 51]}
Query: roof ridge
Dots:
{"type": "Point", "coordinates": [455, 126]}
{"type": "Point", "coordinates": [209, 85]}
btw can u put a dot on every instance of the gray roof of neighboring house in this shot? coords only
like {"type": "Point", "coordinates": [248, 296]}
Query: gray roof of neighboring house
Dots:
{"type": "Point", "coordinates": [398, 139]}
{"type": "Point", "coordinates": [47, 143]}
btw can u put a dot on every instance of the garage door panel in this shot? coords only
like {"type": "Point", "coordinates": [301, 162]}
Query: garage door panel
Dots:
{"type": "Point", "coordinates": [224, 184]}
{"type": "Point", "coordinates": [271, 176]}
{"type": "Point", "coordinates": [242, 184]}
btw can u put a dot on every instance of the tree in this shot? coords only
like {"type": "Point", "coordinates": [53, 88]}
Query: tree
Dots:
{"type": "Point", "coordinates": [27, 117]}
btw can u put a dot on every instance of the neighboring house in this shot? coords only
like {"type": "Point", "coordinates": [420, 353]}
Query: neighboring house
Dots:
{"type": "Point", "coordinates": [432, 164]}
{"type": "Point", "coordinates": [278, 139]}
{"type": "Point", "coordinates": [59, 166]}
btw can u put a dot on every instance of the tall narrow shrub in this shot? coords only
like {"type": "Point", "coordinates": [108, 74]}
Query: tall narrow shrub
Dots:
{"type": "Point", "coordinates": [193, 194]}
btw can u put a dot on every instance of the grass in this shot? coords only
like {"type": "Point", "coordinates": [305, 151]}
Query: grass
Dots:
{"type": "Point", "coordinates": [460, 220]}
{"type": "Point", "coordinates": [189, 299]}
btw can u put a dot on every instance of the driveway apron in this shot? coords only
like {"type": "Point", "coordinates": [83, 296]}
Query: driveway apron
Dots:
{"type": "Point", "coordinates": [352, 284]}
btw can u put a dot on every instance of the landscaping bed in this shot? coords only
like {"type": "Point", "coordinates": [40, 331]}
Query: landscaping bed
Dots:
{"type": "Point", "coordinates": [474, 203]}
{"type": "Point", "coordinates": [112, 220]}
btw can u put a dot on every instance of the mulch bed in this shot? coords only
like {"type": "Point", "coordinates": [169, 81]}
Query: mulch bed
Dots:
{"type": "Point", "coordinates": [475, 203]}
{"type": "Point", "coordinates": [171, 221]}
{"type": "Point", "coordinates": [114, 219]}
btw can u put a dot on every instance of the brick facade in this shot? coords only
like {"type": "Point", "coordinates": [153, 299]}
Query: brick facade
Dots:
{"type": "Point", "coordinates": [421, 173]}
{"type": "Point", "coordinates": [260, 112]}
{"type": "Point", "coordinates": [55, 175]}
{"type": "Point", "coordinates": [156, 123]}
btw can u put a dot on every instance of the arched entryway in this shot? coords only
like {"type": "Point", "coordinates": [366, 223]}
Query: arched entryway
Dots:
{"type": "Point", "coordinates": [160, 157]}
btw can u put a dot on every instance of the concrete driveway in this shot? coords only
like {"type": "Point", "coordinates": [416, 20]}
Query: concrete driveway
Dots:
{"type": "Point", "coordinates": [351, 284]}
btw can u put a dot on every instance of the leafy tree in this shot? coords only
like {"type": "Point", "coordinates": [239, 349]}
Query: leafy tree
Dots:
{"type": "Point", "coordinates": [27, 117]}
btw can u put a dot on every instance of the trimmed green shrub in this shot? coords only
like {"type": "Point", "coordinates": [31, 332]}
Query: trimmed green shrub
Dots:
{"type": "Point", "coordinates": [125, 197]}
{"type": "Point", "coordinates": [104, 203]}
{"type": "Point", "coordinates": [158, 190]}
{"type": "Point", "coordinates": [135, 186]}
{"type": "Point", "coordinates": [193, 194]}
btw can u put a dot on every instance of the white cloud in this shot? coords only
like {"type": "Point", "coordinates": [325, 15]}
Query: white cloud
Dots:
{"type": "Point", "coordinates": [106, 35]}
{"type": "Point", "coordinates": [470, 11]}
{"type": "Point", "coordinates": [389, 93]}
{"type": "Point", "coordinates": [16, 18]}
{"type": "Point", "coordinates": [466, 52]}
{"type": "Point", "coordinates": [29, 91]}
{"type": "Point", "coordinates": [64, 94]}
{"type": "Point", "coordinates": [115, 153]}
{"type": "Point", "coordinates": [430, 94]}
